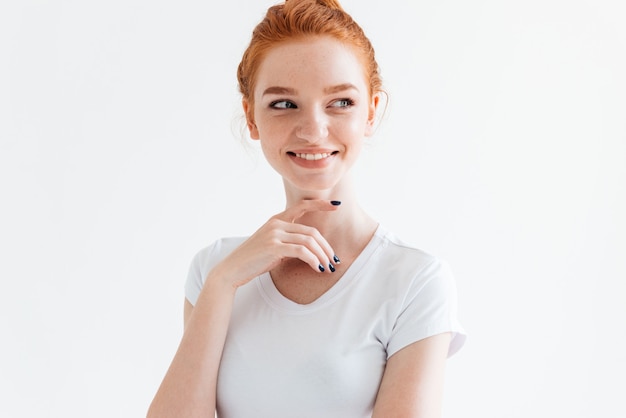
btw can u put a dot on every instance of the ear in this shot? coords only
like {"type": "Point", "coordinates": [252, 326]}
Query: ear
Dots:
{"type": "Point", "coordinates": [247, 109]}
{"type": "Point", "coordinates": [372, 112]}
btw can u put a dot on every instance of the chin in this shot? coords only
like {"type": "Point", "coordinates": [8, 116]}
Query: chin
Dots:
{"type": "Point", "coordinates": [315, 186]}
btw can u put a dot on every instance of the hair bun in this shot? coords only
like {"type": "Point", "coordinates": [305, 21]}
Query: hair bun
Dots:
{"type": "Point", "coordinates": [331, 4]}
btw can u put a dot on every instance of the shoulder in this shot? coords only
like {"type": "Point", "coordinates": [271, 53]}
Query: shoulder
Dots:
{"type": "Point", "coordinates": [207, 257]}
{"type": "Point", "coordinates": [422, 290]}
{"type": "Point", "coordinates": [204, 260]}
{"type": "Point", "coordinates": [218, 249]}
{"type": "Point", "coordinates": [401, 247]}
{"type": "Point", "coordinates": [418, 280]}
{"type": "Point", "coordinates": [407, 259]}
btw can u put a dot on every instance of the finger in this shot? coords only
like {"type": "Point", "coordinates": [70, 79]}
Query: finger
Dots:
{"type": "Point", "coordinates": [311, 240]}
{"type": "Point", "coordinates": [296, 212]}
{"type": "Point", "coordinates": [302, 253]}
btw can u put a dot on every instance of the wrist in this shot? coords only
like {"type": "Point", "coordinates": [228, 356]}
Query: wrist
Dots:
{"type": "Point", "coordinates": [222, 279]}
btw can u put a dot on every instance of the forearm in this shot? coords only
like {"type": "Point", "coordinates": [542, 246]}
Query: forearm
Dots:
{"type": "Point", "coordinates": [189, 386]}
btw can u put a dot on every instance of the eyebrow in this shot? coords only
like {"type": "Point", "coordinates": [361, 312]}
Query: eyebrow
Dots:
{"type": "Point", "coordinates": [328, 90]}
{"type": "Point", "coordinates": [340, 87]}
{"type": "Point", "coordinates": [279, 90]}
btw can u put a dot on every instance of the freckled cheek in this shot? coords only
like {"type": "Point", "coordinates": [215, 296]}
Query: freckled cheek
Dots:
{"type": "Point", "coordinates": [352, 130]}
{"type": "Point", "coordinates": [272, 128]}
{"type": "Point", "coordinates": [270, 140]}
{"type": "Point", "coordinates": [273, 141]}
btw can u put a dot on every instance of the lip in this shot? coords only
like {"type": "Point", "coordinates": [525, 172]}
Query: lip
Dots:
{"type": "Point", "coordinates": [312, 151]}
{"type": "Point", "coordinates": [312, 158]}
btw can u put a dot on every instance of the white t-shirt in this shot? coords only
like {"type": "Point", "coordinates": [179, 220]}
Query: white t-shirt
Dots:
{"type": "Point", "coordinates": [326, 359]}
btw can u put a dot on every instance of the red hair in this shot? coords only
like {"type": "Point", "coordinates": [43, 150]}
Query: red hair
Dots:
{"type": "Point", "coordinates": [297, 19]}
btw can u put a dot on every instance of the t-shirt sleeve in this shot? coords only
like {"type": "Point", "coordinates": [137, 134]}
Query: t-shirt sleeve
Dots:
{"type": "Point", "coordinates": [429, 308]}
{"type": "Point", "coordinates": [201, 264]}
{"type": "Point", "coordinates": [204, 261]}
{"type": "Point", "coordinates": [194, 282]}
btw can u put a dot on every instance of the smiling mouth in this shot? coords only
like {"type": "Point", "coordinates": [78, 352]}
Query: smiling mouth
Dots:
{"type": "Point", "coordinates": [312, 157]}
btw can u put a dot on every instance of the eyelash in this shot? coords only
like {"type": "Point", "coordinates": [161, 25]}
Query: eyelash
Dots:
{"type": "Point", "coordinates": [349, 102]}
{"type": "Point", "coordinates": [291, 105]}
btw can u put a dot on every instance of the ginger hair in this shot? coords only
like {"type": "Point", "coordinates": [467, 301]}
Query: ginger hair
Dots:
{"type": "Point", "coordinates": [296, 20]}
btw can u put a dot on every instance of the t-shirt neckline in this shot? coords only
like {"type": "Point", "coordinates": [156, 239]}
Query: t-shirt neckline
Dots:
{"type": "Point", "coordinates": [279, 302]}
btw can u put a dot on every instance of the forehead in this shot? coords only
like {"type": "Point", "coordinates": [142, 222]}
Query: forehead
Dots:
{"type": "Point", "coordinates": [311, 63]}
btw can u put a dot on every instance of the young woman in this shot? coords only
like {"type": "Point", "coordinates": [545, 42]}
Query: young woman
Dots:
{"type": "Point", "coordinates": [321, 312]}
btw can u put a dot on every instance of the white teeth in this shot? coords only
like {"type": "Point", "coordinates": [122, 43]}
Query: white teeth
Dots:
{"type": "Point", "coordinates": [313, 157]}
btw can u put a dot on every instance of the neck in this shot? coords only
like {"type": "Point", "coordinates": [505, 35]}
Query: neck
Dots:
{"type": "Point", "coordinates": [344, 228]}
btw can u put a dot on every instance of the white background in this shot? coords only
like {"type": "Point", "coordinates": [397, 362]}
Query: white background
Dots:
{"type": "Point", "coordinates": [503, 150]}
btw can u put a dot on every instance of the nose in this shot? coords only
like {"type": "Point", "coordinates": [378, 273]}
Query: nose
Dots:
{"type": "Point", "coordinates": [312, 125]}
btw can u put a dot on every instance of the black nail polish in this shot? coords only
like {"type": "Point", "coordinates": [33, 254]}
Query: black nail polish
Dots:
{"type": "Point", "coordinates": [337, 260]}
{"type": "Point", "coordinates": [335, 202]}
{"type": "Point", "coordinates": [332, 268]}
{"type": "Point", "coordinates": [321, 267]}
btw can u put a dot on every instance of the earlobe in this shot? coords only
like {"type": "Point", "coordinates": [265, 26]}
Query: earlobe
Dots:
{"type": "Point", "coordinates": [252, 129]}
{"type": "Point", "coordinates": [254, 132]}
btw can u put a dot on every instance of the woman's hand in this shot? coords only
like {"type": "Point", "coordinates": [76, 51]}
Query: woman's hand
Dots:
{"type": "Point", "coordinates": [280, 238]}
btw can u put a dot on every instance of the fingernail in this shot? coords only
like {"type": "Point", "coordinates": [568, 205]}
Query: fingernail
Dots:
{"type": "Point", "coordinates": [332, 268]}
{"type": "Point", "coordinates": [321, 267]}
{"type": "Point", "coordinates": [337, 260]}
{"type": "Point", "coordinates": [335, 202]}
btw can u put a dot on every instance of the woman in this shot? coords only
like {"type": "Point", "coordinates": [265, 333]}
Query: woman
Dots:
{"type": "Point", "coordinates": [321, 312]}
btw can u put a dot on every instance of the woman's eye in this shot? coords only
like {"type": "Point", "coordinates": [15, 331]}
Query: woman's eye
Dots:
{"type": "Point", "coordinates": [283, 104]}
{"type": "Point", "coordinates": [343, 103]}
